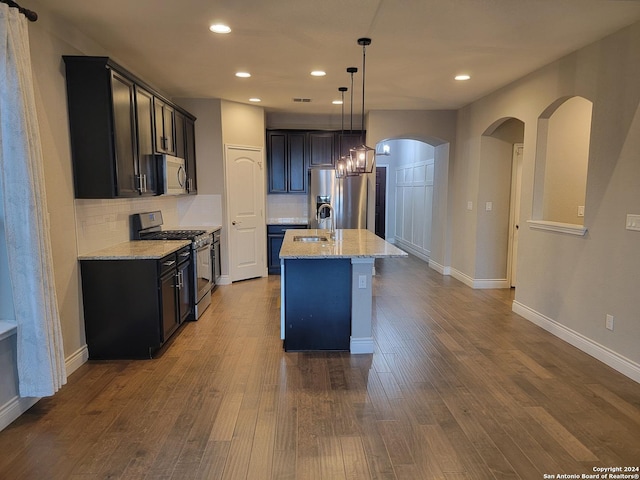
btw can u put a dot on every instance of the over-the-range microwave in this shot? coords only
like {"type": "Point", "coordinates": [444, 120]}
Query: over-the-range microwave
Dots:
{"type": "Point", "coordinates": [173, 175]}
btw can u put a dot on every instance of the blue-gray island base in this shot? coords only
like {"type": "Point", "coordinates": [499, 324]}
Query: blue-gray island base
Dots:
{"type": "Point", "coordinates": [326, 290]}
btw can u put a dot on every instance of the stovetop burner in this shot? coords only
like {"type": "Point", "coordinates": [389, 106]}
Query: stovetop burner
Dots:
{"type": "Point", "coordinates": [172, 235]}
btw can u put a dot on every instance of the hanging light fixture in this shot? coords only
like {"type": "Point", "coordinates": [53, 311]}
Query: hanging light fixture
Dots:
{"type": "Point", "coordinates": [363, 157]}
{"type": "Point", "coordinates": [348, 159]}
{"type": "Point", "coordinates": [341, 163]}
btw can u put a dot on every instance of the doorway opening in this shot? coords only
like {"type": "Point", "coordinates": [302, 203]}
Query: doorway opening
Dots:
{"type": "Point", "coordinates": [502, 149]}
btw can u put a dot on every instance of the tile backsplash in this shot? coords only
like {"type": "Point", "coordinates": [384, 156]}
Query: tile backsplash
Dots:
{"type": "Point", "coordinates": [287, 207]}
{"type": "Point", "coordinates": [102, 223]}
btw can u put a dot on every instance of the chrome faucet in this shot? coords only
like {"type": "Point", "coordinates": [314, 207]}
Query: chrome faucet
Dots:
{"type": "Point", "coordinates": [332, 231]}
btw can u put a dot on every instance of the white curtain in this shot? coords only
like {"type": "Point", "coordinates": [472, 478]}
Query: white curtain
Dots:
{"type": "Point", "coordinates": [41, 369]}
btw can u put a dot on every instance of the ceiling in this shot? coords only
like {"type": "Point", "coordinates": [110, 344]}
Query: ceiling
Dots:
{"type": "Point", "coordinates": [417, 47]}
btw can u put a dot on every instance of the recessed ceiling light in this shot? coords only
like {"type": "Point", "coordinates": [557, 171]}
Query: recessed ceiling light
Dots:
{"type": "Point", "coordinates": [462, 77]}
{"type": "Point", "coordinates": [337, 102]}
{"type": "Point", "coordinates": [243, 74]}
{"type": "Point", "coordinates": [220, 28]}
{"type": "Point", "coordinates": [256, 100]}
{"type": "Point", "coordinates": [318, 73]}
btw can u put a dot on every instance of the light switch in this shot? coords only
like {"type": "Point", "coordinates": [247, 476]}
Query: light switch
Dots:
{"type": "Point", "coordinates": [581, 210]}
{"type": "Point", "coordinates": [488, 206]}
{"type": "Point", "coordinates": [469, 205]}
{"type": "Point", "coordinates": [633, 222]}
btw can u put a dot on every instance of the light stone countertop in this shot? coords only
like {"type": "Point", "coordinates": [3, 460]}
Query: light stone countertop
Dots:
{"type": "Point", "coordinates": [137, 250]}
{"type": "Point", "coordinates": [349, 243]}
{"type": "Point", "coordinates": [288, 221]}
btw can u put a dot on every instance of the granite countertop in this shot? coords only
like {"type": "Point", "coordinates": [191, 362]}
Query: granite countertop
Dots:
{"type": "Point", "coordinates": [349, 243]}
{"type": "Point", "coordinates": [137, 250]}
{"type": "Point", "coordinates": [287, 221]}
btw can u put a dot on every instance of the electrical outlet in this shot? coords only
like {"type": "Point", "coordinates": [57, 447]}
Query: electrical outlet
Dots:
{"type": "Point", "coordinates": [469, 205]}
{"type": "Point", "coordinates": [633, 222]}
{"type": "Point", "coordinates": [362, 281]}
{"type": "Point", "coordinates": [609, 322]}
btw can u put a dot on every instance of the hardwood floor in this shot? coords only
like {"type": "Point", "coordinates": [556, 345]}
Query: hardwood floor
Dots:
{"type": "Point", "coordinates": [459, 388]}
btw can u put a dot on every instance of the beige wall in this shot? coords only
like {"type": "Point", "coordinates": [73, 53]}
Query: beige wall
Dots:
{"type": "Point", "coordinates": [565, 161]}
{"type": "Point", "coordinates": [573, 281]}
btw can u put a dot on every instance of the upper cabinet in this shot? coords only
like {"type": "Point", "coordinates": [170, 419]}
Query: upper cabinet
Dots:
{"type": "Point", "coordinates": [290, 154]}
{"type": "Point", "coordinates": [322, 148]}
{"type": "Point", "coordinates": [165, 116]}
{"type": "Point", "coordinates": [185, 135]}
{"type": "Point", "coordinates": [287, 161]}
{"type": "Point", "coordinates": [118, 126]}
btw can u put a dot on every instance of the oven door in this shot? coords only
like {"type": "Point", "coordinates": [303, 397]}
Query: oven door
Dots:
{"type": "Point", "coordinates": [203, 276]}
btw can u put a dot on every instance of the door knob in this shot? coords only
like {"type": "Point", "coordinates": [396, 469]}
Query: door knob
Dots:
{"type": "Point", "coordinates": [235, 223]}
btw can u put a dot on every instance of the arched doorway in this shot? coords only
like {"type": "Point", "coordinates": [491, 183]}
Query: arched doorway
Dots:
{"type": "Point", "coordinates": [498, 222]}
{"type": "Point", "coordinates": [406, 173]}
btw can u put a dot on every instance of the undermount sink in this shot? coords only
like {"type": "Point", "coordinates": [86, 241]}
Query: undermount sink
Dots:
{"type": "Point", "coordinates": [309, 238]}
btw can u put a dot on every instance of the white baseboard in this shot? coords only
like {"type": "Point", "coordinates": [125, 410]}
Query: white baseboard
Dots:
{"type": "Point", "coordinates": [464, 278]}
{"type": "Point", "coordinates": [17, 406]}
{"type": "Point", "coordinates": [76, 359]}
{"type": "Point", "coordinates": [14, 408]}
{"type": "Point", "coordinates": [479, 283]}
{"type": "Point", "coordinates": [588, 346]}
{"type": "Point", "coordinates": [359, 345]}
{"type": "Point", "coordinates": [224, 280]}
{"type": "Point", "coordinates": [441, 269]}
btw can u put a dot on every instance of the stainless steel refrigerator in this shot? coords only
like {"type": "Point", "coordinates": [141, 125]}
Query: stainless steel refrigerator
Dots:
{"type": "Point", "coordinates": [347, 196]}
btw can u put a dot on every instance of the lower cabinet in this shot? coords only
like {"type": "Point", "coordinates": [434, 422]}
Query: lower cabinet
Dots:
{"type": "Point", "coordinates": [275, 237]}
{"type": "Point", "coordinates": [133, 306]}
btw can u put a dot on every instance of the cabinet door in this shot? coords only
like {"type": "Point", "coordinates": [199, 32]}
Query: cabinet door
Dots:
{"type": "Point", "coordinates": [321, 149]}
{"type": "Point", "coordinates": [277, 161]}
{"type": "Point", "coordinates": [122, 95]}
{"type": "Point", "coordinates": [274, 244]}
{"type": "Point", "coordinates": [168, 285]}
{"type": "Point", "coordinates": [179, 137]}
{"type": "Point", "coordinates": [147, 165]}
{"type": "Point", "coordinates": [297, 165]}
{"type": "Point", "coordinates": [184, 291]}
{"type": "Point", "coordinates": [190, 155]}
{"type": "Point", "coordinates": [164, 116]}
{"type": "Point", "coordinates": [346, 141]}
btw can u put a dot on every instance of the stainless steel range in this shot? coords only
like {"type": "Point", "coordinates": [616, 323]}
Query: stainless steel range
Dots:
{"type": "Point", "coordinates": [148, 226]}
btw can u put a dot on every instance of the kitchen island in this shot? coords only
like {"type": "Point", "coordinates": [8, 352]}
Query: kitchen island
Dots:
{"type": "Point", "coordinates": [326, 291]}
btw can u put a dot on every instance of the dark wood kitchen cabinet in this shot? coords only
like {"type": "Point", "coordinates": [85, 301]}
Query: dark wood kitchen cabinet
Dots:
{"type": "Point", "coordinates": [164, 127]}
{"type": "Point", "coordinates": [291, 153]}
{"type": "Point", "coordinates": [287, 161]}
{"type": "Point", "coordinates": [133, 306]}
{"type": "Point", "coordinates": [186, 148]}
{"type": "Point", "coordinates": [113, 120]}
{"type": "Point", "coordinates": [275, 237]}
{"type": "Point", "coordinates": [322, 149]}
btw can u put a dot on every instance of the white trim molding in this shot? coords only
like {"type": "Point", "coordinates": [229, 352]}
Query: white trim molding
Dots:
{"type": "Point", "coordinates": [479, 283]}
{"type": "Point", "coordinates": [361, 345]}
{"type": "Point", "coordinates": [441, 269]}
{"type": "Point", "coordinates": [609, 357]}
{"type": "Point", "coordinates": [16, 406]}
{"type": "Point", "coordinates": [566, 228]}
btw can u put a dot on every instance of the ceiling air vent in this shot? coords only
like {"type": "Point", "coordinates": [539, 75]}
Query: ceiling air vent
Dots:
{"type": "Point", "coordinates": [302, 100]}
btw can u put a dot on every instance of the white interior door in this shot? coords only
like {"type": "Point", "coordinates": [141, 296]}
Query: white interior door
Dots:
{"type": "Point", "coordinates": [514, 224]}
{"type": "Point", "coordinates": [245, 212]}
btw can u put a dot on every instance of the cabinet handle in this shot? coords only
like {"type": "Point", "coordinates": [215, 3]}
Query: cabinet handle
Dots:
{"type": "Point", "coordinates": [185, 254]}
{"type": "Point", "coordinates": [180, 279]}
{"type": "Point", "coordinates": [144, 182]}
{"type": "Point", "coordinates": [168, 263]}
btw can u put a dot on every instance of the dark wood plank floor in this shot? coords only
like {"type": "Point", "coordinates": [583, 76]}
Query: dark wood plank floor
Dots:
{"type": "Point", "coordinates": [459, 388]}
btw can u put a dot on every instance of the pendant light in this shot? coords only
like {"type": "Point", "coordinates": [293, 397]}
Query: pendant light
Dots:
{"type": "Point", "coordinates": [363, 157]}
{"type": "Point", "coordinates": [348, 159]}
{"type": "Point", "coordinates": [341, 163]}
